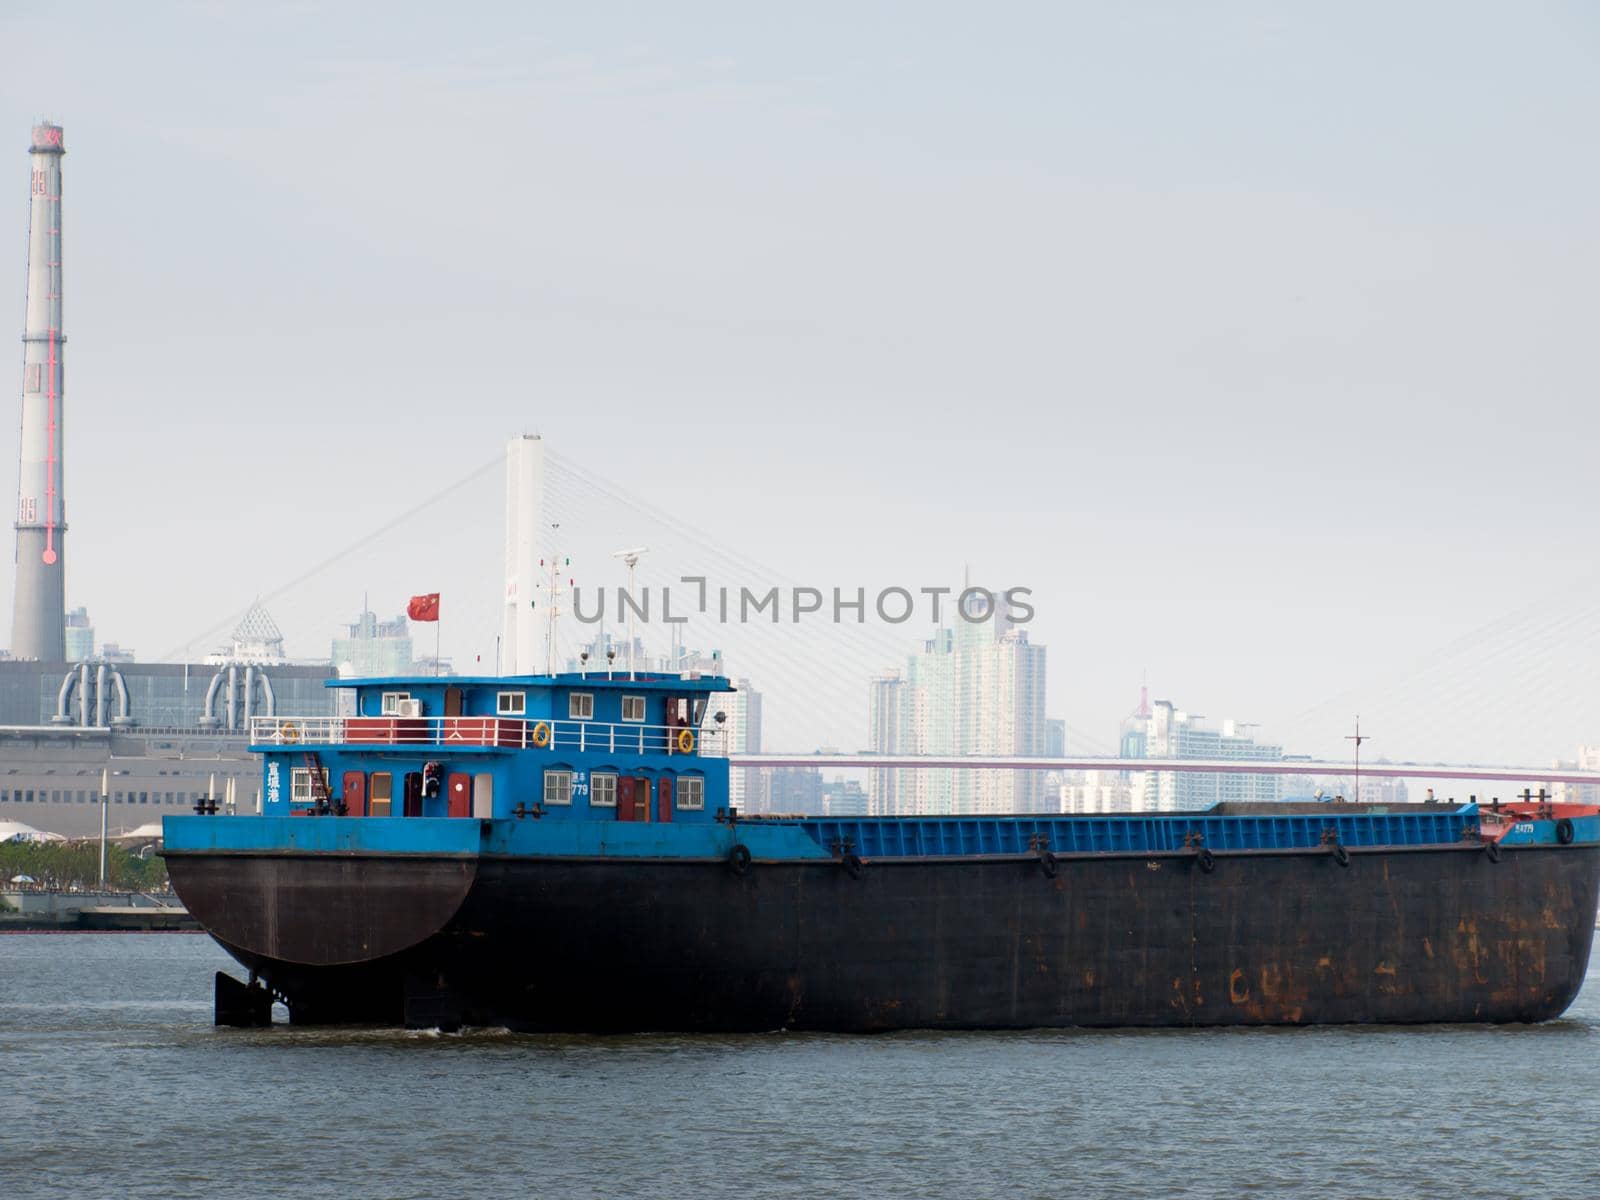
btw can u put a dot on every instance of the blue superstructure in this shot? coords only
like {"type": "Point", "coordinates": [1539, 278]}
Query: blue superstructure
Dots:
{"type": "Point", "coordinates": [572, 747]}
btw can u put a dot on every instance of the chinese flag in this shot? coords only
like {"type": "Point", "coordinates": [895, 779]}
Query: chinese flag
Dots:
{"type": "Point", "coordinates": [424, 608]}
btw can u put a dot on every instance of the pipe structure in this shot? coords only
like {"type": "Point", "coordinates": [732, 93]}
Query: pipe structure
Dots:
{"type": "Point", "coordinates": [208, 717]}
{"type": "Point", "coordinates": [63, 697]}
{"type": "Point", "coordinates": [269, 700]}
{"type": "Point", "coordinates": [121, 685]}
{"type": "Point", "coordinates": [83, 693]}
{"type": "Point", "coordinates": [100, 694]}
{"type": "Point", "coordinates": [39, 613]}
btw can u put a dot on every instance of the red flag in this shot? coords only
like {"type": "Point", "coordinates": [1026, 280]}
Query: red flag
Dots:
{"type": "Point", "coordinates": [424, 608]}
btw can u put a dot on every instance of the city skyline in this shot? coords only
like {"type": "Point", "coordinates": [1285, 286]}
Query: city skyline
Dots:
{"type": "Point", "coordinates": [1271, 431]}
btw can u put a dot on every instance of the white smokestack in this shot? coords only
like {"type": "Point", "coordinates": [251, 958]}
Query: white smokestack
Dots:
{"type": "Point", "coordinates": [39, 620]}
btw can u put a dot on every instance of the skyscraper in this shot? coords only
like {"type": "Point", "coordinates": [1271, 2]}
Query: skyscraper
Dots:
{"type": "Point", "coordinates": [373, 648]}
{"type": "Point", "coordinates": [741, 734]}
{"type": "Point", "coordinates": [888, 733]}
{"type": "Point", "coordinates": [38, 623]}
{"type": "Point", "coordinates": [976, 687]}
{"type": "Point", "coordinates": [999, 679]}
{"type": "Point", "coordinates": [79, 635]}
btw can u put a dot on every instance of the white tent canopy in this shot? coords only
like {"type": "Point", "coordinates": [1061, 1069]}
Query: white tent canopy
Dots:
{"type": "Point", "coordinates": [150, 832]}
{"type": "Point", "coordinates": [16, 831]}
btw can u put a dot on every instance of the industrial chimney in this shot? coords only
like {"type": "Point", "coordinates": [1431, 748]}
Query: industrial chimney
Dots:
{"type": "Point", "coordinates": [38, 624]}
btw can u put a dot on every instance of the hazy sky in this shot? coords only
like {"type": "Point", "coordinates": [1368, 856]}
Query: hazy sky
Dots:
{"type": "Point", "coordinates": [1257, 341]}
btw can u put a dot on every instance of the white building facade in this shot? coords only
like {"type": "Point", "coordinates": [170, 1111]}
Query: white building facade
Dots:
{"type": "Point", "coordinates": [977, 687]}
{"type": "Point", "coordinates": [1171, 732]}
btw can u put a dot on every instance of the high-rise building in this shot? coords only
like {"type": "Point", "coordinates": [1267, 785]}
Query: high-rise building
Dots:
{"type": "Point", "coordinates": [1383, 790]}
{"type": "Point", "coordinates": [740, 731]}
{"type": "Point", "coordinates": [1588, 759]}
{"type": "Point", "coordinates": [1169, 732]}
{"type": "Point", "coordinates": [795, 790]}
{"type": "Point", "coordinates": [889, 732]}
{"type": "Point", "coordinates": [372, 648]}
{"type": "Point", "coordinates": [114, 653]}
{"type": "Point", "coordinates": [843, 798]}
{"type": "Point", "coordinates": [976, 687]}
{"type": "Point", "coordinates": [80, 636]}
{"type": "Point", "coordinates": [1000, 679]}
{"type": "Point", "coordinates": [1100, 791]}
{"type": "Point", "coordinates": [38, 623]}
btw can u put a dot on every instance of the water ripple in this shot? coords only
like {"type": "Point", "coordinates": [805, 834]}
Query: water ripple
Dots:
{"type": "Point", "coordinates": [113, 1082]}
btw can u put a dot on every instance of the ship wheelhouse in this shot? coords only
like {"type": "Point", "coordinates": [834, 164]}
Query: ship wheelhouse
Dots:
{"type": "Point", "coordinates": [586, 747]}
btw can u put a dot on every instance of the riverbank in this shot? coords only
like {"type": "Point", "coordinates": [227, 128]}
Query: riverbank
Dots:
{"type": "Point", "coordinates": [53, 911]}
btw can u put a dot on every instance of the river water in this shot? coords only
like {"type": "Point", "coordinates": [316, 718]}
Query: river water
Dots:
{"type": "Point", "coordinates": [113, 1083]}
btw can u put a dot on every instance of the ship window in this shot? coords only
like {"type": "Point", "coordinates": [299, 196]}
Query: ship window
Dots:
{"type": "Point", "coordinates": [580, 706]}
{"type": "Point", "coordinates": [391, 703]}
{"type": "Point", "coordinates": [558, 787]}
{"type": "Point", "coordinates": [691, 792]}
{"type": "Point", "coordinates": [382, 793]}
{"type": "Point", "coordinates": [633, 708]}
{"type": "Point", "coordinates": [603, 790]}
{"type": "Point", "coordinates": [300, 784]}
{"type": "Point", "coordinates": [511, 704]}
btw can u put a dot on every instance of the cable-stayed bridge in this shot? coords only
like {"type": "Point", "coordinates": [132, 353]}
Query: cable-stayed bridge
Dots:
{"type": "Point", "coordinates": [1509, 682]}
{"type": "Point", "coordinates": [1201, 766]}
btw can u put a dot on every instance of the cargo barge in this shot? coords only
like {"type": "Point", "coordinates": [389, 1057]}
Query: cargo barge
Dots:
{"type": "Point", "coordinates": [557, 853]}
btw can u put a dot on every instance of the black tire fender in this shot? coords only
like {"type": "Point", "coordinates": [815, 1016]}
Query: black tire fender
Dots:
{"type": "Point", "coordinates": [1340, 854]}
{"type": "Point", "coordinates": [853, 865]}
{"type": "Point", "coordinates": [1048, 864]}
{"type": "Point", "coordinates": [1491, 851]}
{"type": "Point", "coordinates": [1565, 831]}
{"type": "Point", "coordinates": [739, 859]}
{"type": "Point", "coordinates": [1205, 860]}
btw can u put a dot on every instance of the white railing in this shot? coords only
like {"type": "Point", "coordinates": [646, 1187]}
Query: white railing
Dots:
{"type": "Point", "coordinates": [512, 733]}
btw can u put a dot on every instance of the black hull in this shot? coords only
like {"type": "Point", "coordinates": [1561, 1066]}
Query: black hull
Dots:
{"type": "Point", "coordinates": [613, 945]}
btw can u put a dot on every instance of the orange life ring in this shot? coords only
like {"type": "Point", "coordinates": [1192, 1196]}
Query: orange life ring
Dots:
{"type": "Point", "coordinates": [541, 734]}
{"type": "Point", "coordinates": [686, 741]}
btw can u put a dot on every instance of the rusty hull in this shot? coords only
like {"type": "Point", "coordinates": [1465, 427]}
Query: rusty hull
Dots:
{"type": "Point", "coordinates": [610, 945]}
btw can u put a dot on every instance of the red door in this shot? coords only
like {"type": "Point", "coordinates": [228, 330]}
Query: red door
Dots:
{"type": "Point", "coordinates": [355, 794]}
{"type": "Point", "coordinates": [664, 799]}
{"type": "Point", "coordinates": [459, 788]}
{"type": "Point", "coordinates": [625, 798]}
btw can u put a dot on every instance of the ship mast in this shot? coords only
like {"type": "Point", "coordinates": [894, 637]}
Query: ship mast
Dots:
{"type": "Point", "coordinates": [553, 593]}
